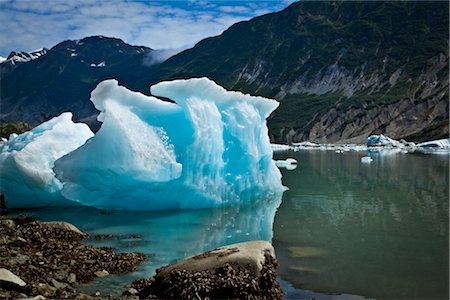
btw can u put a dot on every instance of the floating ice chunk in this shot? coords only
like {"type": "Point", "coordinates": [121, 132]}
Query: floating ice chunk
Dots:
{"type": "Point", "coordinates": [280, 147]}
{"type": "Point", "coordinates": [366, 159]}
{"type": "Point", "coordinates": [210, 148]}
{"type": "Point", "coordinates": [26, 161]}
{"type": "Point", "coordinates": [288, 163]}
{"type": "Point", "coordinates": [306, 145]}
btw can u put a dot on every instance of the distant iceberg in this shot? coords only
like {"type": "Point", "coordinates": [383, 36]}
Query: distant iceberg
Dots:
{"type": "Point", "coordinates": [209, 149]}
{"type": "Point", "coordinates": [437, 144]}
{"type": "Point", "coordinates": [381, 142]}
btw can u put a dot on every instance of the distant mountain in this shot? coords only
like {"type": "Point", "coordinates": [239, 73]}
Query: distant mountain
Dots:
{"type": "Point", "coordinates": [15, 59]}
{"type": "Point", "coordinates": [62, 79]}
{"type": "Point", "coordinates": [341, 70]}
{"type": "Point", "coordinates": [21, 57]}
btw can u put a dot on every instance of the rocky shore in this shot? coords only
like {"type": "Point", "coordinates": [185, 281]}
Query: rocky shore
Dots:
{"type": "Point", "coordinates": [47, 260]}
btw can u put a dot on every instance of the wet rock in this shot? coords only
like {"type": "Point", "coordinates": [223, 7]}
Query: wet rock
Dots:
{"type": "Point", "coordinates": [101, 273]}
{"type": "Point", "coordinates": [46, 290]}
{"type": "Point", "coordinates": [50, 258]}
{"type": "Point", "coordinates": [8, 223]}
{"type": "Point", "coordinates": [244, 270]}
{"type": "Point", "coordinates": [38, 297]}
{"type": "Point", "coordinates": [72, 278]}
{"type": "Point", "coordinates": [249, 254]}
{"type": "Point", "coordinates": [58, 285]}
{"type": "Point", "coordinates": [64, 226]}
{"type": "Point", "coordinates": [9, 280]}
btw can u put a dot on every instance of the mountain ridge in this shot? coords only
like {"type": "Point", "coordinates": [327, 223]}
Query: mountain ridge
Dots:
{"type": "Point", "coordinates": [341, 70]}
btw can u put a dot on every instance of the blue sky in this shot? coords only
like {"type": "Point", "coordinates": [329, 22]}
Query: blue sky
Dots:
{"type": "Point", "coordinates": [31, 24]}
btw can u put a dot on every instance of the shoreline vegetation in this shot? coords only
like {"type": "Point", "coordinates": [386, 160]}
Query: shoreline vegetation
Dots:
{"type": "Point", "coordinates": [48, 260]}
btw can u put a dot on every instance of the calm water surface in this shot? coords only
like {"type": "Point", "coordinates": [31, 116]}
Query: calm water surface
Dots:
{"type": "Point", "coordinates": [378, 230]}
{"type": "Point", "coordinates": [343, 228]}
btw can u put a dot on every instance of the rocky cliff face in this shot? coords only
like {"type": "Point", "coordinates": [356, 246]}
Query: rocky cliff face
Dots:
{"type": "Point", "coordinates": [421, 116]}
{"type": "Point", "coordinates": [341, 70]}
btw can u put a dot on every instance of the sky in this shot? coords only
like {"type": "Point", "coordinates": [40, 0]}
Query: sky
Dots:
{"type": "Point", "coordinates": [32, 24]}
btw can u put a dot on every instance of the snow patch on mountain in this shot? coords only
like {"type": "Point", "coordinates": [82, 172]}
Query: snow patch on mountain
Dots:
{"type": "Point", "coordinates": [23, 57]}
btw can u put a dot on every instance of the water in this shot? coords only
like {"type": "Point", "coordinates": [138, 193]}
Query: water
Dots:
{"type": "Point", "coordinates": [343, 229]}
{"type": "Point", "coordinates": [378, 230]}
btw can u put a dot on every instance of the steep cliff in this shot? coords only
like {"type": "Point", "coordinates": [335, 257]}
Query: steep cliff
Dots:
{"type": "Point", "coordinates": [341, 70]}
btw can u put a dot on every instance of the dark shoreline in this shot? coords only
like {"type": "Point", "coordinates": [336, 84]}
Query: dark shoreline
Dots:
{"type": "Point", "coordinates": [54, 262]}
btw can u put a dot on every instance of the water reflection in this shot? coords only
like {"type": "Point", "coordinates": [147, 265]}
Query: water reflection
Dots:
{"type": "Point", "coordinates": [167, 236]}
{"type": "Point", "coordinates": [372, 230]}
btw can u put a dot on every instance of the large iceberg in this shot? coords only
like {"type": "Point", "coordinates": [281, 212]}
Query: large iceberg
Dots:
{"type": "Point", "coordinates": [27, 160]}
{"type": "Point", "coordinates": [208, 149]}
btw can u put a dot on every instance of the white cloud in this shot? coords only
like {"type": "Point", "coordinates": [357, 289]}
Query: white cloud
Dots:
{"type": "Point", "coordinates": [28, 24]}
{"type": "Point", "coordinates": [235, 9]}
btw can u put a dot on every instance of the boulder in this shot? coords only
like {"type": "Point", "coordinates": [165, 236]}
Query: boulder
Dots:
{"type": "Point", "coordinates": [243, 270]}
{"type": "Point", "coordinates": [64, 226]}
{"type": "Point", "coordinates": [9, 280]}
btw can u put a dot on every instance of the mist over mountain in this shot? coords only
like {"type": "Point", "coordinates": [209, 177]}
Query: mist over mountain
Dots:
{"type": "Point", "coordinates": [341, 71]}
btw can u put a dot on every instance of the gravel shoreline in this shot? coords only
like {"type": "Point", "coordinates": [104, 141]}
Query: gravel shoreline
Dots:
{"type": "Point", "coordinates": [52, 260]}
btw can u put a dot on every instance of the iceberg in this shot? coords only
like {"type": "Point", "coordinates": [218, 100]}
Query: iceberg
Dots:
{"type": "Point", "coordinates": [210, 148]}
{"type": "Point", "coordinates": [437, 144]}
{"type": "Point", "coordinates": [27, 161]}
{"type": "Point", "coordinates": [383, 141]}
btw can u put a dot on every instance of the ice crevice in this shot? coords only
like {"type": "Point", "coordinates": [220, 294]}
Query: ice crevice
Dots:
{"type": "Point", "coordinates": [208, 149]}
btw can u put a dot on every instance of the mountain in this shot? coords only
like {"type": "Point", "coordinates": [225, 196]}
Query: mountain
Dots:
{"type": "Point", "coordinates": [62, 79]}
{"type": "Point", "coordinates": [21, 57]}
{"type": "Point", "coordinates": [15, 59]}
{"type": "Point", "coordinates": [341, 71]}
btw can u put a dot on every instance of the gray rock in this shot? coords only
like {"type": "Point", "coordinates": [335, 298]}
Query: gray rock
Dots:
{"type": "Point", "coordinates": [7, 278]}
{"type": "Point", "coordinates": [239, 271]}
{"type": "Point", "coordinates": [38, 297]}
{"type": "Point", "coordinates": [58, 285]}
{"type": "Point", "coordinates": [63, 225]}
{"type": "Point", "coordinates": [20, 259]}
{"type": "Point", "coordinates": [101, 273]}
{"type": "Point", "coordinates": [72, 278]}
{"type": "Point", "coordinates": [250, 255]}
{"type": "Point", "coordinates": [46, 290]}
{"type": "Point", "coordinates": [8, 223]}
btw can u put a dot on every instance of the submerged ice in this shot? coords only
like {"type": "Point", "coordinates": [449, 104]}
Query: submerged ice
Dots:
{"type": "Point", "coordinates": [210, 148]}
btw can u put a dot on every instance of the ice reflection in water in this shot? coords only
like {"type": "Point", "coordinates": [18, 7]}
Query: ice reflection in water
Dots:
{"type": "Point", "coordinates": [167, 236]}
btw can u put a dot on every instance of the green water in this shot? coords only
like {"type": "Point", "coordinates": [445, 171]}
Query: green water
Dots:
{"type": "Point", "coordinates": [379, 230]}
{"type": "Point", "coordinates": [376, 230]}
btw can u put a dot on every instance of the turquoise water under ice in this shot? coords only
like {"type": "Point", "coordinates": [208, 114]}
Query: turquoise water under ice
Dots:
{"type": "Point", "coordinates": [343, 228]}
